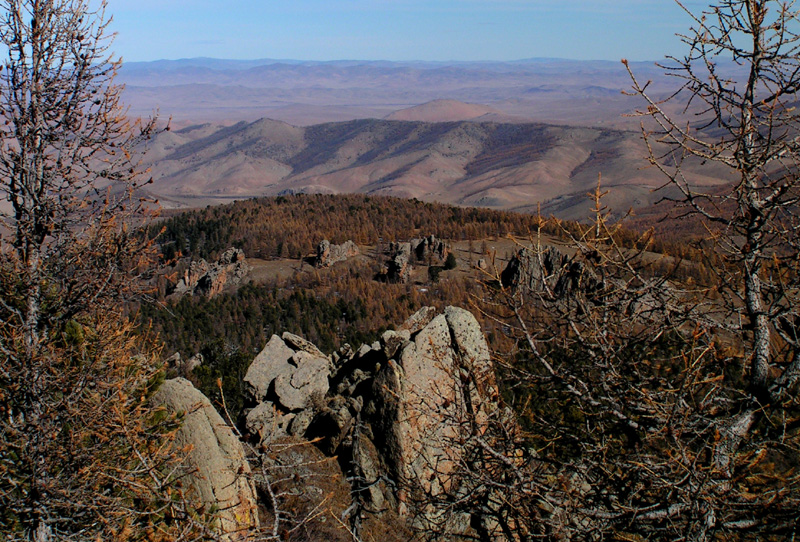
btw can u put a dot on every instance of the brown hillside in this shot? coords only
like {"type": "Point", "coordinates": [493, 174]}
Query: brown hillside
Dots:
{"type": "Point", "coordinates": [487, 164]}
{"type": "Point", "coordinates": [443, 111]}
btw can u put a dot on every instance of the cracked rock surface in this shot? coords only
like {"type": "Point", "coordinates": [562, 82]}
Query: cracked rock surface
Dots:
{"type": "Point", "coordinates": [393, 412]}
{"type": "Point", "coordinates": [218, 472]}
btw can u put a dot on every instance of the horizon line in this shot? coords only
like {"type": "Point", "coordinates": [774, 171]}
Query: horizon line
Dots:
{"type": "Point", "coordinates": [408, 61]}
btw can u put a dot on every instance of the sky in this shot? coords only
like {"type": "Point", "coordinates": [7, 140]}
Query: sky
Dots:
{"type": "Point", "coordinates": [433, 30]}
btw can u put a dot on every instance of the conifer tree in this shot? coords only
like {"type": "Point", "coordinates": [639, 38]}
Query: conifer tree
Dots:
{"type": "Point", "coordinates": [83, 455]}
{"type": "Point", "coordinates": [649, 407]}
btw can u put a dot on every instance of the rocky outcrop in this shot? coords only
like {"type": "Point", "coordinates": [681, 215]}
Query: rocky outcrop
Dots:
{"type": "Point", "coordinates": [550, 272]}
{"type": "Point", "coordinates": [387, 425]}
{"type": "Point", "coordinates": [270, 363]}
{"type": "Point", "coordinates": [437, 384]}
{"type": "Point", "coordinates": [427, 250]}
{"type": "Point", "coordinates": [283, 380]}
{"type": "Point", "coordinates": [217, 470]}
{"type": "Point", "coordinates": [430, 249]}
{"type": "Point", "coordinates": [396, 413]}
{"type": "Point", "coordinates": [398, 268]}
{"type": "Point", "coordinates": [328, 254]}
{"type": "Point", "coordinates": [210, 279]}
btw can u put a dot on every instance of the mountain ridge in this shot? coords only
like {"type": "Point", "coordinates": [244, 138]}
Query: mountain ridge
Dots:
{"type": "Point", "coordinates": [471, 163]}
{"type": "Point", "coordinates": [311, 92]}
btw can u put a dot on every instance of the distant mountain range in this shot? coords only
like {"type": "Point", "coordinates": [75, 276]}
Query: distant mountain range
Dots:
{"type": "Point", "coordinates": [466, 162]}
{"type": "Point", "coordinates": [508, 135]}
{"type": "Point", "coordinates": [305, 93]}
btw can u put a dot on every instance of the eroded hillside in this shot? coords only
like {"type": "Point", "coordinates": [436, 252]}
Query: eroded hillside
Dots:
{"type": "Point", "coordinates": [487, 164]}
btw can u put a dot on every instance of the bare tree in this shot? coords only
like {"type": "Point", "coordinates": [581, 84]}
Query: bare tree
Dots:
{"type": "Point", "coordinates": [652, 408]}
{"type": "Point", "coordinates": [65, 158]}
{"type": "Point", "coordinates": [83, 453]}
{"type": "Point", "coordinates": [741, 76]}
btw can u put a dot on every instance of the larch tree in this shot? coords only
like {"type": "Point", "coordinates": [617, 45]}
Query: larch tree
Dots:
{"type": "Point", "coordinates": [83, 454]}
{"type": "Point", "coordinates": [654, 408]}
{"type": "Point", "coordinates": [741, 77]}
{"type": "Point", "coordinates": [66, 170]}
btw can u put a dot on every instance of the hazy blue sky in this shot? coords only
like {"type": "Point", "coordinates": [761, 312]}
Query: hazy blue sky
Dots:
{"type": "Point", "coordinates": [398, 29]}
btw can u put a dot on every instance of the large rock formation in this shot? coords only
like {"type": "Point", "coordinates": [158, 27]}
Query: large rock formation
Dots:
{"type": "Point", "coordinates": [328, 254]}
{"type": "Point", "coordinates": [430, 249]}
{"type": "Point", "coordinates": [550, 272]}
{"type": "Point", "coordinates": [210, 279]}
{"type": "Point", "coordinates": [438, 384]}
{"type": "Point", "coordinates": [427, 250]}
{"type": "Point", "coordinates": [556, 277]}
{"type": "Point", "coordinates": [396, 413]}
{"type": "Point", "coordinates": [217, 470]}
{"type": "Point", "coordinates": [391, 425]}
{"type": "Point", "coordinates": [281, 382]}
{"type": "Point", "coordinates": [398, 268]}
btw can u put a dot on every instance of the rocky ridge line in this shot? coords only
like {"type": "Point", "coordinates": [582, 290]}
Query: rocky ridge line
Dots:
{"type": "Point", "coordinates": [393, 417]}
{"type": "Point", "coordinates": [392, 411]}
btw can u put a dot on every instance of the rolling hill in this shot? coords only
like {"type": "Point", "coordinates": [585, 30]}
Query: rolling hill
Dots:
{"type": "Point", "coordinates": [446, 111]}
{"type": "Point", "coordinates": [488, 164]}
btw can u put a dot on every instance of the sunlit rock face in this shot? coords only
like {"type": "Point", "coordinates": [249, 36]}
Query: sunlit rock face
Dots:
{"type": "Point", "coordinates": [395, 413]}
{"type": "Point", "coordinates": [210, 280]}
{"type": "Point", "coordinates": [216, 467]}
